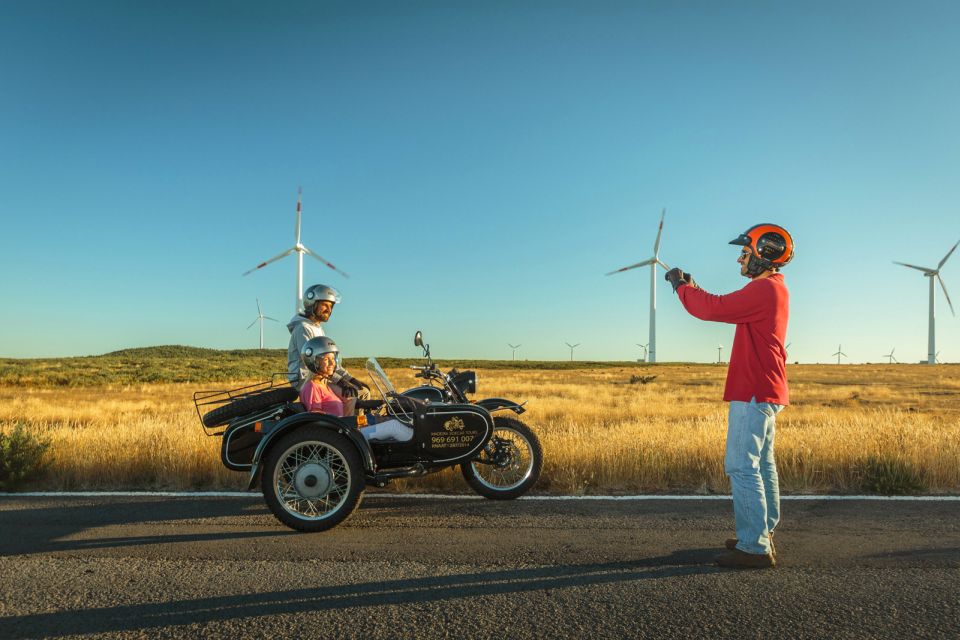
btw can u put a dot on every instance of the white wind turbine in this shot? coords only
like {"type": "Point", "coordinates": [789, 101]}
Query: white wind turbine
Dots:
{"type": "Point", "coordinates": [840, 353]}
{"type": "Point", "coordinates": [653, 262]}
{"type": "Point", "coordinates": [644, 347]}
{"type": "Point", "coordinates": [719, 349]}
{"type": "Point", "coordinates": [514, 348]}
{"type": "Point", "coordinates": [572, 347]}
{"type": "Point", "coordinates": [933, 274]}
{"type": "Point", "coordinates": [260, 317]}
{"type": "Point", "coordinates": [299, 249]}
{"type": "Point", "coordinates": [890, 357]}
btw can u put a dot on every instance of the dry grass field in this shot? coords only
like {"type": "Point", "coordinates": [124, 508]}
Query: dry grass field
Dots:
{"type": "Point", "coordinates": [850, 429]}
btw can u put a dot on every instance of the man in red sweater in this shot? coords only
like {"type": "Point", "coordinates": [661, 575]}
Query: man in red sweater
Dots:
{"type": "Point", "coordinates": [756, 385]}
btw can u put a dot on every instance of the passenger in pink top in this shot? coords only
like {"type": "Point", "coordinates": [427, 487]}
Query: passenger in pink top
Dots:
{"type": "Point", "coordinates": [317, 394]}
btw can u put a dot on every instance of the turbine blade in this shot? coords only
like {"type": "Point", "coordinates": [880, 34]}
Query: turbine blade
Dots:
{"type": "Point", "coordinates": [252, 323]}
{"type": "Point", "coordinates": [656, 245]}
{"type": "Point", "coordinates": [633, 266]}
{"type": "Point", "coordinates": [273, 259]}
{"type": "Point", "coordinates": [269, 318]}
{"type": "Point", "coordinates": [663, 264]}
{"type": "Point", "coordinates": [947, 256]}
{"type": "Point", "coordinates": [913, 266]}
{"type": "Point", "coordinates": [259, 310]}
{"type": "Point", "coordinates": [944, 287]}
{"type": "Point", "coordinates": [299, 197]}
{"type": "Point", "coordinates": [324, 261]}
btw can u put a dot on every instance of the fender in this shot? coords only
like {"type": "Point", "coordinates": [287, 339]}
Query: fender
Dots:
{"type": "Point", "coordinates": [301, 419]}
{"type": "Point", "coordinates": [496, 404]}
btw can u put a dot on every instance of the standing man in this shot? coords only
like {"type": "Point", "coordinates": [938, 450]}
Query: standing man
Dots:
{"type": "Point", "coordinates": [756, 385]}
{"type": "Point", "coordinates": [318, 301]}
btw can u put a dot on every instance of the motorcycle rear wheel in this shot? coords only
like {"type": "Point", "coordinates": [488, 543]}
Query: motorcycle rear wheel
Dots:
{"type": "Point", "coordinates": [509, 464]}
{"type": "Point", "coordinates": [312, 479]}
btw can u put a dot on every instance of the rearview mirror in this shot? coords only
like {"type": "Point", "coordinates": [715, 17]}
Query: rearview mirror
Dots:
{"type": "Point", "coordinates": [418, 339]}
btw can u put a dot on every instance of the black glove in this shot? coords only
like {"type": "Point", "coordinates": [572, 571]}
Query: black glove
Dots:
{"type": "Point", "coordinates": [344, 379]}
{"type": "Point", "coordinates": [347, 391]}
{"type": "Point", "coordinates": [677, 277]}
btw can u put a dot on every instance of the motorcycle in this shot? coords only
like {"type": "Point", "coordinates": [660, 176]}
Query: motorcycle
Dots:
{"type": "Point", "coordinates": [313, 468]}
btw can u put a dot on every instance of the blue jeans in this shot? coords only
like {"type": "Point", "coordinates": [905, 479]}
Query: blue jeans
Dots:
{"type": "Point", "coordinates": [749, 462]}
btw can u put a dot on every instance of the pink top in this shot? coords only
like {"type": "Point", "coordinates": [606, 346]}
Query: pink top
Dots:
{"type": "Point", "coordinates": [321, 398]}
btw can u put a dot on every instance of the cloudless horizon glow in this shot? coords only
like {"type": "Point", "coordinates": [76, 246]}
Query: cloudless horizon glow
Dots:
{"type": "Point", "coordinates": [476, 169]}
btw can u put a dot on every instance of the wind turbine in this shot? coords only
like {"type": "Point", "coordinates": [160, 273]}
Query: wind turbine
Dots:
{"type": "Point", "coordinates": [936, 358]}
{"type": "Point", "coordinates": [261, 318]}
{"type": "Point", "coordinates": [514, 347]}
{"type": "Point", "coordinates": [839, 353]}
{"type": "Point", "coordinates": [719, 347]}
{"type": "Point", "coordinates": [644, 347]}
{"type": "Point", "coordinates": [299, 249]}
{"type": "Point", "coordinates": [572, 347]}
{"type": "Point", "coordinates": [653, 262]}
{"type": "Point", "coordinates": [890, 358]}
{"type": "Point", "coordinates": [933, 274]}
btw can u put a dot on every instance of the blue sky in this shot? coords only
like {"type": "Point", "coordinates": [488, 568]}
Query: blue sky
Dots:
{"type": "Point", "coordinates": [476, 168]}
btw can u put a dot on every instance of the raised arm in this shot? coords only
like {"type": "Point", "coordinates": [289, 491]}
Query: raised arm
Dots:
{"type": "Point", "coordinates": [746, 305]}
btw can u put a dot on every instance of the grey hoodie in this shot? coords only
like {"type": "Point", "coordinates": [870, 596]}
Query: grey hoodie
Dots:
{"type": "Point", "coordinates": [301, 329]}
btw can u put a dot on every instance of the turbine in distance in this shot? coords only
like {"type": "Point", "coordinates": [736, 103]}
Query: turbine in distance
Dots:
{"type": "Point", "coordinates": [840, 353]}
{"type": "Point", "coordinates": [260, 317]}
{"type": "Point", "coordinates": [514, 348]}
{"type": "Point", "coordinates": [298, 248]}
{"type": "Point", "coordinates": [572, 347]}
{"type": "Point", "coordinates": [933, 274]}
{"type": "Point", "coordinates": [652, 262]}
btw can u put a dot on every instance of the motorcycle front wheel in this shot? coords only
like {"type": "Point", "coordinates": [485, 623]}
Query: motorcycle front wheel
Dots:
{"type": "Point", "coordinates": [312, 479]}
{"type": "Point", "coordinates": [509, 464]}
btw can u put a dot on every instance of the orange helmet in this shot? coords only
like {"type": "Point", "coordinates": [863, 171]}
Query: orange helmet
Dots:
{"type": "Point", "coordinates": [771, 247]}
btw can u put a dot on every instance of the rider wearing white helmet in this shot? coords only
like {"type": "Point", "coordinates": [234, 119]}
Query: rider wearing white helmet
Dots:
{"type": "Point", "coordinates": [318, 301]}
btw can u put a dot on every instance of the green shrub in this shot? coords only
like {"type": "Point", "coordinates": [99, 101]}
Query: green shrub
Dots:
{"type": "Point", "coordinates": [889, 475]}
{"type": "Point", "coordinates": [22, 457]}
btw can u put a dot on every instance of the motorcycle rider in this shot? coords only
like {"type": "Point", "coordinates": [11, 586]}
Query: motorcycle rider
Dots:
{"type": "Point", "coordinates": [756, 386]}
{"type": "Point", "coordinates": [318, 301]}
{"type": "Point", "coordinates": [321, 357]}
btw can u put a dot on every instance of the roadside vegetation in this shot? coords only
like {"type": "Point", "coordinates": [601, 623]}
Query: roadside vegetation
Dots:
{"type": "Point", "coordinates": [850, 429]}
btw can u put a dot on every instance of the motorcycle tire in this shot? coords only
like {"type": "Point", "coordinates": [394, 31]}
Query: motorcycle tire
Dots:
{"type": "Point", "coordinates": [482, 476]}
{"type": "Point", "coordinates": [249, 404]}
{"type": "Point", "coordinates": [312, 479]}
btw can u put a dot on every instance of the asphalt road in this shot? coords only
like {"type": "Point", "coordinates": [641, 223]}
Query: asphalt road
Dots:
{"type": "Point", "coordinates": [463, 568]}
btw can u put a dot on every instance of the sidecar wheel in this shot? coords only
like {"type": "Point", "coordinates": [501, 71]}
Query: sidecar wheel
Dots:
{"type": "Point", "coordinates": [312, 479]}
{"type": "Point", "coordinates": [510, 463]}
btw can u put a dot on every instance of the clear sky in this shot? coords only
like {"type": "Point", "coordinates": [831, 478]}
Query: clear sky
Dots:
{"type": "Point", "coordinates": [476, 168]}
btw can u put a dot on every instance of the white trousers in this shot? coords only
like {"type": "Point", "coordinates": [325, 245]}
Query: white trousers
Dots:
{"type": "Point", "coordinates": [388, 430]}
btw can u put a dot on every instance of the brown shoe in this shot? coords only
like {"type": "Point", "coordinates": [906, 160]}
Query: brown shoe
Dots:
{"type": "Point", "coordinates": [731, 543]}
{"type": "Point", "coordinates": [737, 559]}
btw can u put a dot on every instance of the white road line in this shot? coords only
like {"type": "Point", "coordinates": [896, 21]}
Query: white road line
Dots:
{"type": "Point", "coordinates": [433, 496]}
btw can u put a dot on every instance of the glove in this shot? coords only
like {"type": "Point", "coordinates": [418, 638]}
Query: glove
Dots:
{"type": "Point", "coordinates": [347, 391]}
{"type": "Point", "coordinates": [677, 277]}
{"type": "Point", "coordinates": [344, 379]}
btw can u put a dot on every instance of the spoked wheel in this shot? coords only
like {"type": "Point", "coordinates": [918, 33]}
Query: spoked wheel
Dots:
{"type": "Point", "coordinates": [312, 479]}
{"type": "Point", "coordinates": [510, 463]}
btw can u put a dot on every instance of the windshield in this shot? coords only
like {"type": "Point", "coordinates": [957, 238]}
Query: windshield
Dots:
{"type": "Point", "coordinates": [384, 386]}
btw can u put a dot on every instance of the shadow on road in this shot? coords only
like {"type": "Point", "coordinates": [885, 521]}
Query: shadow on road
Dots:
{"type": "Point", "coordinates": [45, 528]}
{"type": "Point", "coordinates": [346, 596]}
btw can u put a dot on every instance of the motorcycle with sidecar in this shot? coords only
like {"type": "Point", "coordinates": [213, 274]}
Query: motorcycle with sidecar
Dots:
{"type": "Point", "coordinates": [313, 468]}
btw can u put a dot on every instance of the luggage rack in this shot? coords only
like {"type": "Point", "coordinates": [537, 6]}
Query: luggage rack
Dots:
{"type": "Point", "coordinates": [206, 401]}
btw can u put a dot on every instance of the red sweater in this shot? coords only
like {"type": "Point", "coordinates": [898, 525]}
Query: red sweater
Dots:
{"type": "Point", "coordinates": [758, 358]}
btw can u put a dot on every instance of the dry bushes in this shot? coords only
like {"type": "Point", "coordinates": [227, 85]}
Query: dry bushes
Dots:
{"type": "Point", "coordinates": [883, 429]}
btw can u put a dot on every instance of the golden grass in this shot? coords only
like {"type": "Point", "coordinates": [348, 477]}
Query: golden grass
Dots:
{"type": "Point", "coordinates": [848, 428]}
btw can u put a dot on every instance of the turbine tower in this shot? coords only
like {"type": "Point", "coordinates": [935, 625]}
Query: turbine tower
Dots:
{"type": "Point", "coordinates": [261, 318]}
{"type": "Point", "coordinates": [719, 349]}
{"type": "Point", "coordinates": [890, 358]}
{"type": "Point", "coordinates": [933, 274]}
{"type": "Point", "coordinates": [572, 347]}
{"type": "Point", "coordinates": [653, 262]}
{"type": "Point", "coordinates": [299, 249]}
{"type": "Point", "coordinates": [840, 353]}
{"type": "Point", "coordinates": [514, 348]}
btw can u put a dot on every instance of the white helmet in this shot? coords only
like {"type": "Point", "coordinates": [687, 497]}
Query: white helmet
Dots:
{"type": "Point", "coordinates": [316, 348]}
{"type": "Point", "coordinates": [318, 293]}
